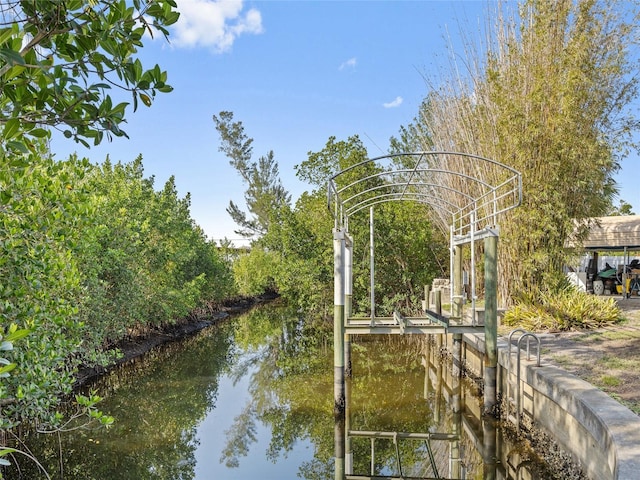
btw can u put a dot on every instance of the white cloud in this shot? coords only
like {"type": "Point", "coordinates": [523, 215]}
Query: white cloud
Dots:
{"type": "Point", "coordinates": [395, 103]}
{"type": "Point", "coordinates": [214, 23]}
{"type": "Point", "coordinates": [351, 63]}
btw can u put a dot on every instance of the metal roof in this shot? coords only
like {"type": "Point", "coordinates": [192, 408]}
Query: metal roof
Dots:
{"type": "Point", "coordinates": [614, 233]}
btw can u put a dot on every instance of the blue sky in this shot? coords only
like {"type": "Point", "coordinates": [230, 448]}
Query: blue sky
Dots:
{"type": "Point", "coordinates": [295, 73]}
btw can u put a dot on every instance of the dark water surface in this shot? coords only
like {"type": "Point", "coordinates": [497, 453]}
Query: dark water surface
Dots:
{"type": "Point", "coordinates": [253, 399]}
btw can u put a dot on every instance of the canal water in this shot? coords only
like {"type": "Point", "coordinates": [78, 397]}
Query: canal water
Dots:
{"type": "Point", "coordinates": [253, 399]}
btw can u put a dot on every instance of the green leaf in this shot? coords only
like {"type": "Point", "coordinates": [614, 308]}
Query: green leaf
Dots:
{"type": "Point", "coordinates": [17, 335]}
{"type": "Point", "coordinates": [145, 99]}
{"type": "Point", "coordinates": [5, 34]}
{"type": "Point", "coordinates": [11, 56]}
{"type": "Point", "coordinates": [7, 450]}
{"type": "Point", "coordinates": [39, 132]}
{"type": "Point", "coordinates": [18, 146]}
{"type": "Point", "coordinates": [11, 129]}
{"type": "Point", "coordinates": [7, 368]}
{"type": "Point", "coordinates": [14, 72]}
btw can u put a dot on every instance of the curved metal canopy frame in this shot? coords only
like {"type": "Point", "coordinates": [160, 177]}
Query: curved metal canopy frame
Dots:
{"type": "Point", "coordinates": [466, 192]}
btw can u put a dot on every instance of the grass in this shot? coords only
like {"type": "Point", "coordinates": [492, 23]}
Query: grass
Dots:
{"type": "Point", "coordinates": [617, 363]}
{"type": "Point", "coordinates": [610, 381]}
{"type": "Point", "coordinates": [607, 335]}
{"type": "Point", "coordinates": [633, 406]}
{"type": "Point", "coordinates": [563, 360]}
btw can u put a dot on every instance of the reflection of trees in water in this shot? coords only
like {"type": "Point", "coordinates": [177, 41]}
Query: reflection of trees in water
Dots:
{"type": "Point", "coordinates": [291, 391]}
{"type": "Point", "coordinates": [290, 385]}
{"type": "Point", "coordinates": [388, 395]}
{"type": "Point", "coordinates": [158, 402]}
{"type": "Point", "coordinates": [239, 437]}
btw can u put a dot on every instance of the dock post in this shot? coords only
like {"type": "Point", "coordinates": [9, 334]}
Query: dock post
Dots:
{"type": "Point", "coordinates": [372, 267]}
{"type": "Point", "coordinates": [489, 449]}
{"type": "Point", "coordinates": [338, 320]}
{"type": "Point", "coordinates": [348, 299]}
{"type": "Point", "coordinates": [437, 300]}
{"type": "Point", "coordinates": [490, 323]}
{"type": "Point", "coordinates": [339, 448]}
{"type": "Point", "coordinates": [456, 293]}
{"type": "Point", "coordinates": [457, 355]}
{"type": "Point", "coordinates": [426, 303]}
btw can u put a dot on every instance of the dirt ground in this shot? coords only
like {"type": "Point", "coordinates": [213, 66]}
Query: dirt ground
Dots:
{"type": "Point", "coordinates": [608, 358]}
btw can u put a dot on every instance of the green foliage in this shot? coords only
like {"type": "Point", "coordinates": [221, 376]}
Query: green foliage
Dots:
{"type": "Point", "coordinates": [144, 260]}
{"type": "Point", "coordinates": [623, 208]}
{"type": "Point", "coordinates": [42, 208]}
{"type": "Point", "coordinates": [552, 100]}
{"type": "Point", "coordinates": [59, 60]}
{"type": "Point", "coordinates": [91, 254]}
{"type": "Point", "coordinates": [265, 193]}
{"type": "Point", "coordinates": [254, 272]}
{"type": "Point", "coordinates": [86, 415]}
{"type": "Point", "coordinates": [560, 94]}
{"type": "Point", "coordinates": [302, 237]}
{"type": "Point", "coordinates": [409, 253]}
{"type": "Point", "coordinates": [12, 335]}
{"type": "Point", "coordinates": [566, 309]}
{"type": "Point", "coordinates": [333, 158]}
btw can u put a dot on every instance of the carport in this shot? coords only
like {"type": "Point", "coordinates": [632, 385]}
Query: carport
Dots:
{"type": "Point", "coordinates": [613, 234]}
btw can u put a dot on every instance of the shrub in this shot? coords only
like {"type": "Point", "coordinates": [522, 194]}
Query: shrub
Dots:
{"type": "Point", "coordinates": [566, 309]}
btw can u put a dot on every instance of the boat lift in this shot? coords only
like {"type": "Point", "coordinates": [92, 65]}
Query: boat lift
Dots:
{"type": "Point", "coordinates": [467, 194]}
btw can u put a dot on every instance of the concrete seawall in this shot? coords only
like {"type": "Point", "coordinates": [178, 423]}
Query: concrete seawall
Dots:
{"type": "Point", "coordinates": [602, 435]}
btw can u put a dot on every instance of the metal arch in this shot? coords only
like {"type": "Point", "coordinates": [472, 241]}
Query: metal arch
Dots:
{"type": "Point", "coordinates": [390, 197]}
{"type": "Point", "coordinates": [478, 210]}
{"type": "Point", "coordinates": [406, 184]}
{"type": "Point", "coordinates": [422, 154]}
{"type": "Point", "coordinates": [484, 186]}
{"type": "Point", "coordinates": [412, 172]}
{"type": "Point", "coordinates": [402, 184]}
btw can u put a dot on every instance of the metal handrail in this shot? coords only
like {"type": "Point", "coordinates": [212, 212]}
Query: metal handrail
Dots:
{"type": "Point", "coordinates": [528, 336]}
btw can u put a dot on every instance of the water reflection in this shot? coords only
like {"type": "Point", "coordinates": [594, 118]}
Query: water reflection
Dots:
{"type": "Point", "coordinates": [253, 399]}
{"type": "Point", "coordinates": [404, 416]}
{"type": "Point", "coordinates": [396, 428]}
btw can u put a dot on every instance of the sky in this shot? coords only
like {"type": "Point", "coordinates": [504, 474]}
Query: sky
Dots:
{"type": "Point", "coordinates": [294, 73]}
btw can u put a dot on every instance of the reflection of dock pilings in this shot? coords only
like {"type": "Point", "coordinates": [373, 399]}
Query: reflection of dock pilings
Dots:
{"type": "Point", "coordinates": [339, 446]}
{"type": "Point", "coordinates": [458, 424]}
{"type": "Point", "coordinates": [489, 451]}
{"type": "Point", "coordinates": [468, 423]}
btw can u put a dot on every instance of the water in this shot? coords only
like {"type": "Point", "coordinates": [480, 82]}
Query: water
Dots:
{"type": "Point", "coordinates": [253, 399]}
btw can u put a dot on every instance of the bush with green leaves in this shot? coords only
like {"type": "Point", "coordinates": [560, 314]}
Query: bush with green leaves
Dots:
{"type": "Point", "coordinates": [90, 254]}
{"type": "Point", "coordinates": [565, 309]}
{"type": "Point", "coordinates": [87, 253]}
{"type": "Point", "coordinates": [144, 261]}
{"type": "Point", "coordinates": [42, 209]}
{"type": "Point", "coordinates": [254, 272]}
